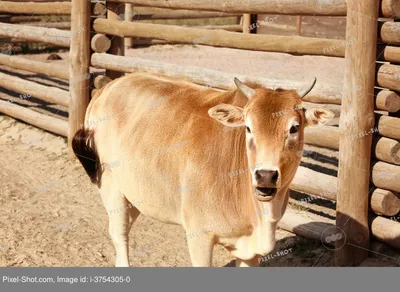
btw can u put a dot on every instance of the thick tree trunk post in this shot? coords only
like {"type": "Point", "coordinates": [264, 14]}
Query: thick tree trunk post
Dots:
{"type": "Point", "coordinates": [246, 23]}
{"type": "Point", "coordinates": [298, 25]}
{"type": "Point", "coordinates": [117, 43]}
{"type": "Point", "coordinates": [128, 17]}
{"type": "Point", "coordinates": [79, 65]}
{"type": "Point", "coordinates": [356, 117]}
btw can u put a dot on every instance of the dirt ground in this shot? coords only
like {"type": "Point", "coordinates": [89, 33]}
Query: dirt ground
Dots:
{"type": "Point", "coordinates": [51, 215]}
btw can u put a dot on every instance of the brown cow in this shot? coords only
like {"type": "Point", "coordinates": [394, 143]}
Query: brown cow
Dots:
{"type": "Point", "coordinates": [159, 146]}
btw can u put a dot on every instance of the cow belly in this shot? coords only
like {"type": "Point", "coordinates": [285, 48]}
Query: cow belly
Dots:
{"type": "Point", "coordinates": [155, 199]}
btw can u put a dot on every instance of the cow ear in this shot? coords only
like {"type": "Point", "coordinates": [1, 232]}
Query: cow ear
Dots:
{"type": "Point", "coordinates": [318, 116]}
{"type": "Point", "coordinates": [227, 114]}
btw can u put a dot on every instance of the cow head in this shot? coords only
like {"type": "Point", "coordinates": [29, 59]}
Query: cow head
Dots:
{"type": "Point", "coordinates": [274, 122]}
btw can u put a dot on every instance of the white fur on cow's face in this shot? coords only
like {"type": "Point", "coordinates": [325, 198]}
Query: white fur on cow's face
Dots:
{"type": "Point", "coordinates": [272, 144]}
{"type": "Point", "coordinates": [292, 138]}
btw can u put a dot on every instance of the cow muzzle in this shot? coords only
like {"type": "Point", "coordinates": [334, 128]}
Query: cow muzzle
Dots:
{"type": "Point", "coordinates": [266, 182]}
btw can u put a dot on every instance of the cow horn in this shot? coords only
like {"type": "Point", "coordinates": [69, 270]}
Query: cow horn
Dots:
{"type": "Point", "coordinates": [304, 91]}
{"type": "Point", "coordinates": [247, 91]}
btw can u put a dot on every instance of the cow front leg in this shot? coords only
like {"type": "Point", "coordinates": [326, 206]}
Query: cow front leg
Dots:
{"type": "Point", "coordinates": [246, 264]}
{"type": "Point", "coordinates": [201, 250]}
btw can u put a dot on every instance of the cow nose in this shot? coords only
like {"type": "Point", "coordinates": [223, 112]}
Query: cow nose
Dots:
{"type": "Point", "coordinates": [267, 178]}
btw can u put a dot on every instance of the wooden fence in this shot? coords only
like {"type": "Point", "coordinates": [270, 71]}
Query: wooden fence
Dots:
{"type": "Point", "coordinates": [365, 189]}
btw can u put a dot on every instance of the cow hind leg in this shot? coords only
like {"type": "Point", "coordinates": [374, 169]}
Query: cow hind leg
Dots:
{"type": "Point", "coordinates": [121, 217]}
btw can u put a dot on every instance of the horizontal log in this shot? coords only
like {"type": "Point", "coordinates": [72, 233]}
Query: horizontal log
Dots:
{"type": "Point", "coordinates": [35, 8]}
{"type": "Point", "coordinates": [299, 7]}
{"type": "Point", "coordinates": [154, 13]}
{"type": "Point", "coordinates": [19, 19]}
{"type": "Point", "coordinates": [219, 38]}
{"type": "Point", "coordinates": [37, 34]}
{"type": "Point", "coordinates": [389, 32]}
{"type": "Point", "coordinates": [386, 230]}
{"type": "Point", "coordinates": [388, 53]}
{"type": "Point", "coordinates": [47, 93]}
{"type": "Point", "coordinates": [385, 202]}
{"type": "Point", "coordinates": [386, 176]}
{"type": "Point", "coordinates": [388, 126]}
{"type": "Point", "coordinates": [58, 25]}
{"type": "Point", "coordinates": [322, 136]}
{"type": "Point", "coordinates": [101, 81]}
{"type": "Point", "coordinates": [49, 69]}
{"type": "Point", "coordinates": [150, 41]}
{"type": "Point", "coordinates": [389, 8]}
{"type": "Point", "coordinates": [212, 78]}
{"type": "Point", "coordinates": [100, 43]}
{"type": "Point", "coordinates": [387, 100]}
{"type": "Point", "coordinates": [385, 149]}
{"type": "Point", "coordinates": [317, 184]}
{"type": "Point", "coordinates": [34, 118]}
{"type": "Point", "coordinates": [231, 27]}
{"type": "Point", "coordinates": [388, 76]}
{"type": "Point", "coordinates": [183, 14]}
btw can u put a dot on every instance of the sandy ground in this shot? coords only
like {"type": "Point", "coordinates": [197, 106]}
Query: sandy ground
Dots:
{"type": "Point", "coordinates": [51, 215]}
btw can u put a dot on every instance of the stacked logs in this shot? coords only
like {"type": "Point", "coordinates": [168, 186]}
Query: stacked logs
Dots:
{"type": "Point", "coordinates": [384, 171]}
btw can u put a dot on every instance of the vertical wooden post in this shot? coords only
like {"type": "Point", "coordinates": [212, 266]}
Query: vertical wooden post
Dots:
{"type": "Point", "coordinates": [298, 25]}
{"type": "Point", "coordinates": [246, 23]}
{"type": "Point", "coordinates": [79, 67]}
{"type": "Point", "coordinates": [357, 116]}
{"type": "Point", "coordinates": [117, 43]}
{"type": "Point", "coordinates": [128, 17]}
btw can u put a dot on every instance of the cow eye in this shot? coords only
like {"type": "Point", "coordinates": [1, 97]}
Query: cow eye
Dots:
{"type": "Point", "coordinates": [294, 129]}
{"type": "Point", "coordinates": [248, 130]}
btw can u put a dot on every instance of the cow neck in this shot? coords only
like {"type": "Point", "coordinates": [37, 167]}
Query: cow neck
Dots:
{"type": "Point", "coordinates": [259, 238]}
{"type": "Point", "coordinates": [254, 210]}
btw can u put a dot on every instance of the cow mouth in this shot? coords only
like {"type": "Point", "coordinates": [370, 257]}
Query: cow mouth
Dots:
{"type": "Point", "coordinates": [266, 194]}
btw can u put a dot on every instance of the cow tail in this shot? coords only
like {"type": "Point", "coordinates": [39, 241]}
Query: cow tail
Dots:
{"type": "Point", "coordinates": [85, 149]}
